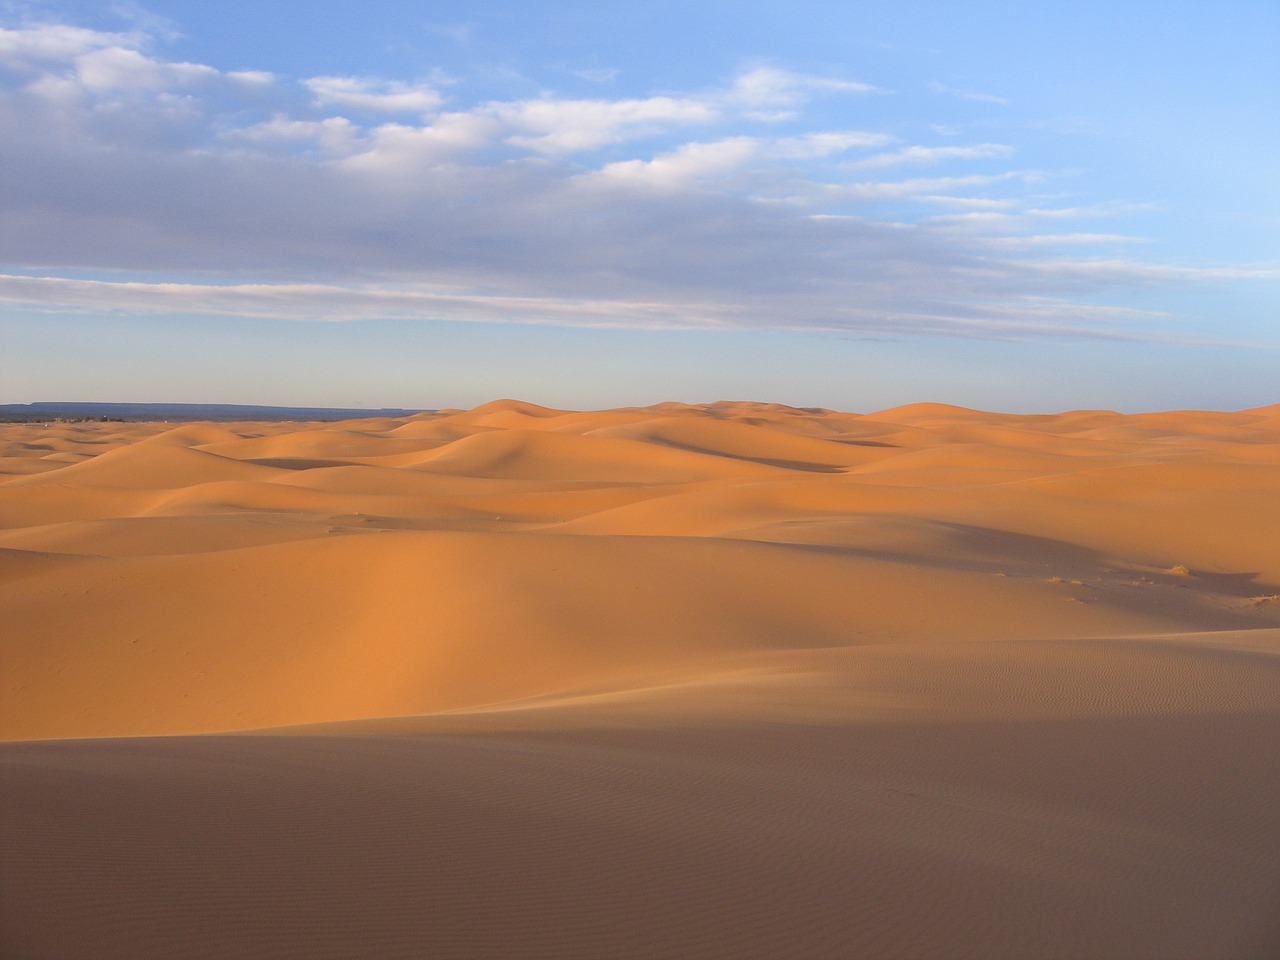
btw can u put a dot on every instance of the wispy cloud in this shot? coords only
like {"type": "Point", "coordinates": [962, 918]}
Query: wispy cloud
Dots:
{"type": "Point", "coordinates": [1011, 224]}
{"type": "Point", "coordinates": [337, 302]}
{"type": "Point", "coordinates": [597, 74]}
{"type": "Point", "coordinates": [771, 94]}
{"type": "Point", "coordinates": [460, 34]}
{"type": "Point", "coordinates": [33, 46]}
{"type": "Point", "coordinates": [692, 161]}
{"type": "Point", "coordinates": [1126, 272]}
{"type": "Point", "coordinates": [916, 187]}
{"type": "Point", "coordinates": [963, 94]}
{"type": "Point", "coordinates": [1063, 239]}
{"type": "Point", "coordinates": [378, 96]}
{"type": "Point", "coordinates": [335, 135]}
{"type": "Point", "coordinates": [1024, 317]}
{"type": "Point", "coordinates": [967, 203]}
{"type": "Point", "coordinates": [252, 78]}
{"type": "Point", "coordinates": [923, 156]}
{"type": "Point", "coordinates": [550, 125]}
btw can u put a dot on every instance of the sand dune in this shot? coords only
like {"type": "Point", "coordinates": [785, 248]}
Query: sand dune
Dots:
{"type": "Point", "coordinates": [725, 680]}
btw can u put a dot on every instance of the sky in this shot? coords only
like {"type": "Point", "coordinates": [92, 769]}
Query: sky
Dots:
{"type": "Point", "coordinates": [1021, 206]}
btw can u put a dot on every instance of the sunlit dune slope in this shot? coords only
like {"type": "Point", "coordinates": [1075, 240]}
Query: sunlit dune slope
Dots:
{"type": "Point", "coordinates": [206, 577]}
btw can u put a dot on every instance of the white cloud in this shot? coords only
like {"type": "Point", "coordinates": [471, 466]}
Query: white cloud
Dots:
{"type": "Point", "coordinates": [1092, 210]}
{"type": "Point", "coordinates": [376, 96]}
{"type": "Point", "coordinates": [1124, 272]}
{"type": "Point", "coordinates": [54, 89]}
{"type": "Point", "coordinates": [924, 186]}
{"type": "Point", "coordinates": [100, 61]}
{"type": "Point", "coordinates": [1062, 239]}
{"type": "Point", "coordinates": [769, 93]}
{"type": "Point", "coordinates": [52, 43]}
{"type": "Point", "coordinates": [679, 167]}
{"type": "Point", "coordinates": [981, 220]}
{"type": "Point", "coordinates": [403, 151]}
{"type": "Point", "coordinates": [550, 125]}
{"type": "Point", "coordinates": [335, 135]}
{"type": "Point", "coordinates": [932, 155]}
{"type": "Point", "coordinates": [968, 203]}
{"type": "Point", "coordinates": [1004, 224]}
{"type": "Point", "coordinates": [120, 69]}
{"type": "Point", "coordinates": [698, 160]}
{"type": "Point", "coordinates": [825, 144]}
{"type": "Point", "coordinates": [252, 78]}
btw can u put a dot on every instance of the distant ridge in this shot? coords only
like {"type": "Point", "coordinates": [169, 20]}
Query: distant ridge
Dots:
{"type": "Point", "coordinates": [47, 410]}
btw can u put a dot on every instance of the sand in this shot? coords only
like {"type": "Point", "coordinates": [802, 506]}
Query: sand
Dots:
{"type": "Point", "coordinates": [730, 680]}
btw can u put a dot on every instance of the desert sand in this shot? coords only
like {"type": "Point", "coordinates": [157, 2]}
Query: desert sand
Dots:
{"type": "Point", "coordinates": [729, 680]}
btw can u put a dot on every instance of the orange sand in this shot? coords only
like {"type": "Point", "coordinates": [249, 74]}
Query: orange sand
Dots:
{"type": "Point", "coordinates": [733, 680]}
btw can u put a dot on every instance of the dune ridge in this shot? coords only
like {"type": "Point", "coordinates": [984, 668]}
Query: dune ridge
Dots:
{"type": "Point", "coordinates": [727, 679]}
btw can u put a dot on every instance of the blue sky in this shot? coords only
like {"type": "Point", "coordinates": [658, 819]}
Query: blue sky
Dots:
{"type": "Point", "coordinates": [1010, 206]}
